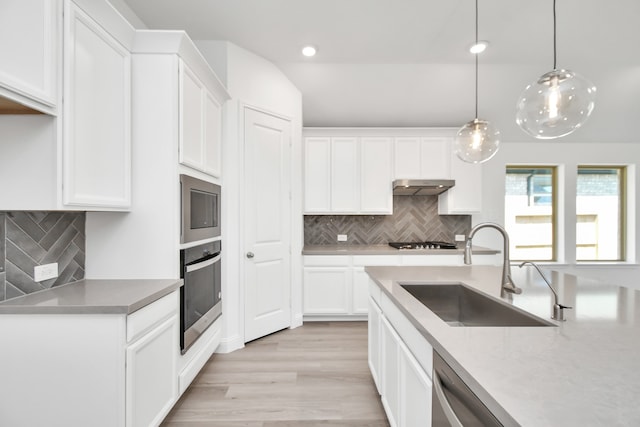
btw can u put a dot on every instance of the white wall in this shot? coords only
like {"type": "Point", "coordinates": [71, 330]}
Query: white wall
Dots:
{"type": "Point", "coordinates": [251, 81]}
{"type": "Point", "coordinates": [123, 8]}
{"type": "Point", "coordinates": [567, 156]}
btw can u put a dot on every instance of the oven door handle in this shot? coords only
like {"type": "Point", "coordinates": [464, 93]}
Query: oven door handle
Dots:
{"type": "Point", "coordinates": [203, 264]}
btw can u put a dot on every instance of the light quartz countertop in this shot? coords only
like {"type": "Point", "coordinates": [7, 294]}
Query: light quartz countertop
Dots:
{"type": "Point", "coordinates": [582, 372]}
{"type": "Point", "coordinates": [388, 250]}
{"type": "Point", "coordinates": [92, 297]}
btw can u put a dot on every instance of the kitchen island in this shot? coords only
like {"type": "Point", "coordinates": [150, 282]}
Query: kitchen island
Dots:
{"type": "Point", "coordinates": [584, 371]}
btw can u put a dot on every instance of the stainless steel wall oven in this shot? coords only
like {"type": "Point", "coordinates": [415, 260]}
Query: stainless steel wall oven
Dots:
{"type": "Point", "coordinates": [201, 294]}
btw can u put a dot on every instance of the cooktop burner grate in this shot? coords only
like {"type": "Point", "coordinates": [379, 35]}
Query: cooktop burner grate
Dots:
{"type": "Point", "coordinates": [430, 244]}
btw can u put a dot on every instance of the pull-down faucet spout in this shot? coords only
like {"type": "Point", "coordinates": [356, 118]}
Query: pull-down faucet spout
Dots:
{"type": "Point", "coordinates": [507, 283]}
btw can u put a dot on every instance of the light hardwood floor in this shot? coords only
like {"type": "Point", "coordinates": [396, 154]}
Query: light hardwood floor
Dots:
{"type": "Point", "coordinates": [314, 375]}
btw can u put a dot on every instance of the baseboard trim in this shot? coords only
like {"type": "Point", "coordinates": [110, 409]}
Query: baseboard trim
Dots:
{"type": "Point", "coordinates": [229, 344]}
{"type": "Point", "coordinates": [336, 318]}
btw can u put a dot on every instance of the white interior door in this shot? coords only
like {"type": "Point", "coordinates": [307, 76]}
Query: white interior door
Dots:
{"type": "Point", "coordinates": [267, 144]}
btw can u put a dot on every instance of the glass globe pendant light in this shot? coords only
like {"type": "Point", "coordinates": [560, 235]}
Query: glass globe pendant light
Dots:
{"type": "Point", "coordinates": [478, 140]}
{"type": "Point", "coordinates": [557, 103]}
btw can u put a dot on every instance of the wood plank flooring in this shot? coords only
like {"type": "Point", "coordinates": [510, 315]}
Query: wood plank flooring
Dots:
{"type": "Point", "coordinates": [314, 375]}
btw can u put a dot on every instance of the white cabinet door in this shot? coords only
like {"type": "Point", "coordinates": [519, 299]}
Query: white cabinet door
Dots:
{"type": "Point", "coordinates": [200, 143]}
{"type": "Point", "coordinates": [344, 175]}
{"type": "Point", "coordinates": [407, 158]}
{"type": "Point", "coordinates": [360, 292]}
{"type": "Point", "coordinates": [212, 136]}
{"type": "Point", "coordinates": [376, 175]}
{"type": "Point", "coordinates": [30, 31]}
{"type": "Point", "coordinates": [415, 391]}
{"type": "Point", "coordinates": [97, 116]}
{"type": "Point", "coordinates": [317, 175]}
{"type": "Point", "coordinates": [421, 158]}
{"type": "Point", "coordinates": [151, 375]}
{"type": "Point", "coordinates": [434, 158]}
{"type": "Point", "coordinates": [191, 118]}
{"type": "Point", "coordinates": [390, 372]}
{"type": "Point", "coordinates": [375, 343]}
{"type": "Point", "coordinates": [326, 290]}
{"type": "Point", "coordinates": [466, 196]}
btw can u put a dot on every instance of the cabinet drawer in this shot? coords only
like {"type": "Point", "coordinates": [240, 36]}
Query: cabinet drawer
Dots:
{"type": "Point", "coordinates": [364, 260]}
{"type": "Point", "coordinates": [327, 260]}
{"type": "Point", "coordinates": [147, 317]}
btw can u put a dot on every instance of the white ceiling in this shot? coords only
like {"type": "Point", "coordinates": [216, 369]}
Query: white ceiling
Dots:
{"type": "Point", "coordinates": [406, 62]}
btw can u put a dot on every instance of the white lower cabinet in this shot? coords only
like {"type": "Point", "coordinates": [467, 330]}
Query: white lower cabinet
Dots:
{"type": "Point", "coordinates": [404, 383]}
{"type": "Point", "coordinates": [326, 290]}
{"type": "Point", "coordinates": [390, 342]}
{"type": "Point", "coordinates": [99, 370]}
{"type": "Point", "coordinates": [415, 391]}
{"type": "Point", "coordinates": [152, 381]}
{"type": "Point", "coordinates": [374, 326]}
{"type": "Point", "coordinates": [337, 287]}
{"type": "Point", "coordinates": [360, 291]}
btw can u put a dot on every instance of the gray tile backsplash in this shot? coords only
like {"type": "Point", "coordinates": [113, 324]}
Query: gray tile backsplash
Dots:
{"type": "Point", "coordinates": [29, 239]}
{"type": "Point", "coordinates": [415, 218]}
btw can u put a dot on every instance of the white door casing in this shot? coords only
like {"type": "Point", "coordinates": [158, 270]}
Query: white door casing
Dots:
{"type": "Point", "coordinates": [267, 223]}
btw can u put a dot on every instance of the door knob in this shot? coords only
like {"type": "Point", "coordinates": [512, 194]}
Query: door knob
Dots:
{"type": "Point", "coordinates": [250, 255]}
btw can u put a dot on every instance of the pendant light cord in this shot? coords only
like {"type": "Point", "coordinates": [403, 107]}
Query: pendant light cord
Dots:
{"type": "Point", "coordinates": [476, 54]}
{"type": "Point", "coordinates": [554, 35]}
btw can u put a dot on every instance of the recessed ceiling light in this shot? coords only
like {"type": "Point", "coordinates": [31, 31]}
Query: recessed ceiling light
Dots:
{"type": "Point", "coordinates": [309, 51]}
{"type": "Point", "coordinates": [479, 47]}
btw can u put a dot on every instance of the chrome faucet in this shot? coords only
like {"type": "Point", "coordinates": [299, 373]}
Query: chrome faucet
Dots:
{"type": "Point", "coordinates": [508, 287]}
{"type": "Point", "coordinates": [558, 309]}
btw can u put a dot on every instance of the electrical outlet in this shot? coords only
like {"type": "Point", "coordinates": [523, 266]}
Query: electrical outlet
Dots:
{"type": "Point", "coordinates": [342, 237]}
{"type": "Point", "coordinates": [45, 272]}
{"type": "Point", "coordinates": [460, 237]}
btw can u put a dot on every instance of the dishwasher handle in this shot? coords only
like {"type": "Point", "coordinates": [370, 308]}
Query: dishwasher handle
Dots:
{"type": "Point", "coordinates": [444, 402]}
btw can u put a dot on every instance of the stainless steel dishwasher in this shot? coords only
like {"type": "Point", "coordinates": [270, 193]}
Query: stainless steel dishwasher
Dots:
{"type": "Point", "coordinates": [454, 404]}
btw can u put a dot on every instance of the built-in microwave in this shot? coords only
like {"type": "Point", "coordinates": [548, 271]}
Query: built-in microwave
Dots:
{"type": "Point", "coordinates": [200, 209]}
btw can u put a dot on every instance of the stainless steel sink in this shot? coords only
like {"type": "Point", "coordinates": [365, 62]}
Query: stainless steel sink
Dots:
{"type": "Point", "coordinates": [459, 305]}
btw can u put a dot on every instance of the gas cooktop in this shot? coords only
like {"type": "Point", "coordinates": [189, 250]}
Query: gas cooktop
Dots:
{"type": "Point", "coordinates": [423, 245]}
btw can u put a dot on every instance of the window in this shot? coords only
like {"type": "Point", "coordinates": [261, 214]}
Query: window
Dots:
{"type": "Point", "coordinates": [530, 212]}
{"type": "Point", "coordinates": [600, 213]}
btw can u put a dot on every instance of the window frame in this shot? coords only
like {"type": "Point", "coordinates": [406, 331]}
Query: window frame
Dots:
{"type": "Point", "coordinates": [554, 205]}
{"type": "Point", "coordinates": [622, 207]}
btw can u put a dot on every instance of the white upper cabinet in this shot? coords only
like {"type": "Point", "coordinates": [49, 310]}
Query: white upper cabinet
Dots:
{"type": "Point", "coordinates": [421, 158]}
{"type": "Point", "coordinates": [344, 175]}
{"type": "Point", "coordinates": [348, 175]}
{"type": "Point", "coordinates": [193, 99]}
{"type": "Point", "coordinates": [376, 175]}
{"type": "Point", "coordinates": [466, 196]}
{"type": "Point", "coordinates": [212, 135]}
{"type": "Point", "coordinates": [30, 34]}
{"type": "Point", "coordinates": [200, 124]}
{"type": "Point", "coordinates": [96, 144]}
{"type": "Point", "coordinates": [191, 118]}
{"type": "Point", "coordinates": [350, 171]}
{"type": "Point", "coordinates": [317, 176]}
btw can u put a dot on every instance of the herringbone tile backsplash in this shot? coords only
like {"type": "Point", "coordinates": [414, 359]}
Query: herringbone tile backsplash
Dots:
{"type": "Point", "coordinates": [415, 218]}
{"type": "Point", "coordinates": [28, 239]}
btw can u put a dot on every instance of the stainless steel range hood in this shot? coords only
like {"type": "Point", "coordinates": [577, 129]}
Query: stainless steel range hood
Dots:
{"type": "Point", "coordinates": [421, 187]}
